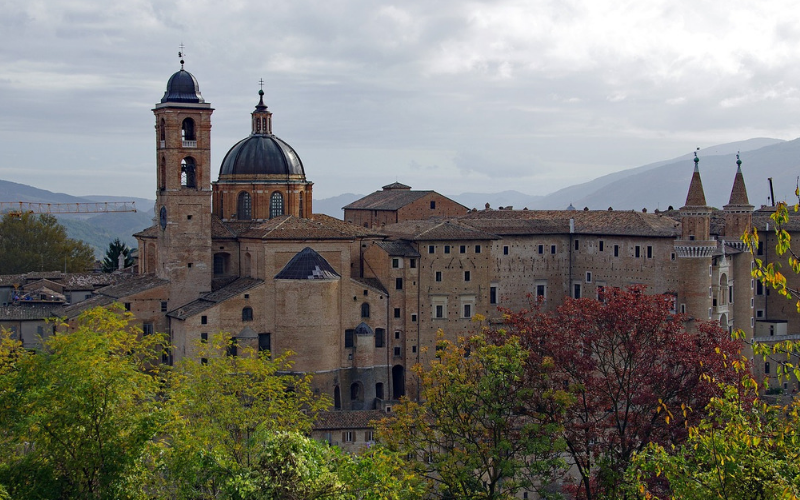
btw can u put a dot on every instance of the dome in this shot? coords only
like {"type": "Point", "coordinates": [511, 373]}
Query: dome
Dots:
{"type": "Point", "coordinates": [261, 154]}
{"type": "Point", "coordinates": [182, 87]}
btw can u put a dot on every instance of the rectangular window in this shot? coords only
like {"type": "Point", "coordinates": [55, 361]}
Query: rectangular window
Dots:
{"type": "Point", "coordinates": [40, 330]}
{"type": "Point", "coordinates": [683, 308]}
{"type": "Point", "coordinates": [477, 249]}
{"type": "Point", "coordinates": [264, 342]}
{"type": "Point", "coordinates": [413, 318]}
{"type": "Point", "coordinates": [759, 288]}
{"type": "Point", "coordinates": [127, 306]}
{"type": "Point", "coordinates": [447, 249]}
{"type": "Point", "coordinates": [760, 248]}
{"type": "Point", "coordinates": [395, 263]}
{"type": "Point", "coordinates": [414, 349]}
{"type": "Point", "coordinates": [759, 313]}
{"type": "Point", "coordinates": [398, 283]}
{"type": "Point", "coordinates": [396, 312]}
{"type": "Point", "coordinates": [541, 249]}
{"type": "Point", "coordinates": [163, 306]}
{"type": "Point", "coordinates": [493, 295]}
{"type": "Point", "coordinates": [649, 251]}
{"type": "Point", "coordinates": [440, 311]}
{"type": "Point", "coordinates": [766, 368]}
{"type": "Point", "coordinates": [431, 249]}
{"type": "Point", "coordinates": [396, 352]}
{"type": "Point", "coordinates": [505, 250]}
{"type": "Point", "coordinates": [347, 436]}
{"type": "Point", "coordinates": [462, 249]}
{"type": "Point", "coordinates": [467, 310]}
{"type": "Point", "coordinates": [369, 435]}
{"type": "Point", "coordinates": [204, 338]}
{"type": "Point", "coordinates": [233, 348]}
{"type": "Point", "coordinates": [616, 250]}
{"type": "Point", "coordinates": [466, 275]}
{"type": "Point", "coordinates": [203, 320]}
{"type": "Point", "coordinates": [540, 290]}
{"type": "Point", "coordinates": [552, 249]}
{"type": "Point", "coordinates": [637, 251]}
{"type": "Point", "coordinates": [576, 291]}
{"type": "Point", "coordinates": [412, 263]}
{"type": "Point", "coordinates": [147, 329]}
{"type": "Point", "coordinates": [349, 340]}
{"type": "Point", "coordinates": [672, 256]}
{"type": "Point", "coordinates": [588, 277]}
{"type": "Point", "coordinates": [380, 337]}
{"type": "Point", "coordinates": [397, 335]}
{"type": "Point", "coordinates": [600, 245]}
{"type": "Point", "coordinates": [438, 276]}
{"type": "Point", "coordinates": [433, 204]}
{"type": "Point", "coordinates": [577, 244]}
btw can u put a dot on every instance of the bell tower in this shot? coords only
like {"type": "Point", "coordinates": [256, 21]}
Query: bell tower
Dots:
{"type": "Point", "coordinates": [183, 195]}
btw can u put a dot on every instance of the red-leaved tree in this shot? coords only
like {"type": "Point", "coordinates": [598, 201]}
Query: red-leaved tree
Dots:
{"type": "Point", "coordinates": [633, 372]}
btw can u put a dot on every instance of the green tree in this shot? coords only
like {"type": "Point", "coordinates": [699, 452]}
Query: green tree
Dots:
{"type": "Point", "coordinates": [111, 260]}
{"type": "Point", "coordinates": [78, 414]}
{"type": "Point", "coordinates": [39, 243]}
{"type": "Point", "coordinates": [472, 433]}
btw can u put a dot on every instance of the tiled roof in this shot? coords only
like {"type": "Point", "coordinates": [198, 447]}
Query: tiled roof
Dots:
{"type": "Point", "coordinates": [696, 196]}
{"type": "Point", "coordinates": [398, 248]}
{"type": "Point", "coordinates": [739, 190]}
{"type": "Point", "coordinates": [390, 199]}
{"type": "Point", "coordinates": [89, 281]}
{"type": "Point", "coordinates": [28, 312]}
{"type": "Point", "coordinates": [220, 229]}
{"type": "Point", "coordinates": [761, 220]}
{"type": "Point", "coordinates": [33, 285]}
{"type": "Point", "coordinates": [321, 227]}
{"type": "Point", "coordinates": [208, 301]}
{"type": "Point", "coordinates": [76, 309]}
{"type": "Point", "coordinates": [12, 279]}
{"type": "Point", "coordinates": [331, 420]}
{"type": "Point", "coordinates": [135, 284]}
{"type": "Point", "coordinates": [373, 283]}
{"type": "Point", "coordinates": [307, 264]}
{"type": "Point", "coordinates": [599, 222]}
{"type": "Point", "coordinates": [150, 232]}
{"type": "Point", "coordinates": [396, 185]}
{"type": "Point", "coordinates": [436, 229]}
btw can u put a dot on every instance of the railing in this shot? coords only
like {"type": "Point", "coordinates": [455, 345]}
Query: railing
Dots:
{"type": "Point", "coordinates": [189, 144]}
{"type": "Point", "coordinates": [162, 144]}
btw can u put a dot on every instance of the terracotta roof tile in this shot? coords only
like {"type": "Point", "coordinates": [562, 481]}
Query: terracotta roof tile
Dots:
{"type": "Point", "coordinates": [133, 285]}
{"type": "Point", "coordinates": [436, 230]}
{"type": "Point", "coordinates": [321, 227]}
{"type": "Point", "coordinates": [74, 310]}
{"type": "Point", "coordinates": [391, 199]}
{"type": "Point", "coordinates": [28, 312]}
{"type": "Point", "coordinates": [398, 248]}
{"type": "Point", "coordinates": [373, 283]}
{"type": "Point", "coordinates": [208, 301]}
{"type": "Point", "coordinates": [331, 420]}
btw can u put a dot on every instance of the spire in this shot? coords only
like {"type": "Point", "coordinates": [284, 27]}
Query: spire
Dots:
{"type": "Point", "coordinates": [739, 191]}
{"type": "Point", "coordinates": [262, 117]}
{"type": "Point", "coordinates": [696, 196]}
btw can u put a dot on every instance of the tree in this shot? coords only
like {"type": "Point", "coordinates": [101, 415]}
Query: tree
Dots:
{"type": "Point", "coordinates": [624, 361]}
{"type": "Point", "coordinates": [39, 243]}
{"type": "Point", "coordinates": [224, 411]}
{"type": "Point", "coordinates": [78, 414]}
{"type": "Point", "coordinates": [111, 260]}
{"type": "Point", "coordinates": [471, 434]}
{"type": "Point", "coordinates": [740, 451]}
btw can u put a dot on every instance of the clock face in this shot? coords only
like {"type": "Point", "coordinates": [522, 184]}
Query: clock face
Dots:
{"type": "Point", "coordinates": [163, 217]}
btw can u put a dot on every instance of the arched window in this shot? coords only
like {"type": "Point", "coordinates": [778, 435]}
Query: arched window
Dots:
{"type": "Point", "coordinates": [188, 178]}
{"type": "Point", "coordinates": [275, 205]}
{"type": "Point", "coordinates": [187, 130]}
{"type": "Point", "coordinates": [247, 314]}
{"type": "Point", "coordinates": [162, 174]}
{"type": "Point", "coordinates": [243, 207]}
{"type": "Point", "coordinates": [365, 310]}
{"type": "Point", "coordinates": [356, 394]}
{"type": "Point", "coordinates": [162, 132]}
{"type": "Point", "coordinates": [337, 398]}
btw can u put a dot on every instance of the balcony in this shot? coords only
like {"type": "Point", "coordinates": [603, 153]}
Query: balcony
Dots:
{"type": "Point", "coordinates": [189, 144]}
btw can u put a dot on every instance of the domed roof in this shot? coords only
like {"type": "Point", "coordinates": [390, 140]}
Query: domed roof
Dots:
{"type": "Point", "coordinates": [183, 87]}
{"type": "Point", "coordinates": [261, 154]}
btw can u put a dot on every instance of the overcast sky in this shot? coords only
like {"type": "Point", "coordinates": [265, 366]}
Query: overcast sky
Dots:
{"type": "Point", "coordinates": [449, 95]}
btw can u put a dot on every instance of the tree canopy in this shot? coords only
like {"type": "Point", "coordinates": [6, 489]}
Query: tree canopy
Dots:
{"type": "Point", "coordinates": [111, 260]}
{"type": "Point", "coordinates": [31, 242]}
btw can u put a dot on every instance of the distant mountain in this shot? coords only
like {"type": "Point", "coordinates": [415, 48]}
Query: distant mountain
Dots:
{"type": "Point", "coordinates": [333, 206]}
{"type": "Point", "coordinates": [495, 200]}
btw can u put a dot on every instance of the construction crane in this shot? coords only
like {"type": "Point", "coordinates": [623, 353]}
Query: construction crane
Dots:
{"type": "Point", "coordinates": [17, 208]}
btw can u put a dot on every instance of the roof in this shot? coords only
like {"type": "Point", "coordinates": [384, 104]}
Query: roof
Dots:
{"type": "Point", "coordinates": [261, 154]}
{"type": "Point", "coordinates": [329, 420]}
{"type": "Point", "coordinates": [388, 199]}
{"type": "Point", "coordinates": [373, 283]}
{"type": "Point", "coordinates": [396, 185]}
{"type": "Point", "coordinates": [739, 190]}
{"type": "Point", "coordinates": [76, 309]}
{"type": "Point", "coordinates": [596, 222]}
{"type": "Point", "coordinates": [438, 230]}
{"type": "Point", "coordinates": [307, 264]}
{"type": "Point", "coordinates": [132, 286]}
{"type": "Point", "coordinates": [289, 227]}
{"type": "Point", "coordinates": [210, 300]}
{"type": "Point", "coordinates": [150, 232]}
{"type": "Point", "coordinates": [398, 248]}
{"type": "Point", "coordinates": [28, 312]}
{"type": "Point", "coordinates": [182, 87]}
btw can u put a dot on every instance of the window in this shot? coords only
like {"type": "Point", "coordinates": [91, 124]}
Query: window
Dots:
{"type": "Point", "coordinates": [553, 249]}
{"type": "Point", "coordinates": [431, 249]}
{"type": "Point", "coordinates": [637, 251]}
{"type": "Point", "coordinates": [203, 320]}
{"type": "Point", "coordinates": [759, 313]}
{"type": "Point", "coordinates": [588, 277]}
{"type": "Point", "coordinates": [244, 206]}
{"type": "Point", "coordinates": [447, 249]}
{"type": "Point", "coordinates": [163, 306]}
{"type": "Point", "coordinates": [188, 173]}
{"type": "Point", "coordinates": [396, 352]}
{"type": "Point", "coordinates": [379, 390]}
{"type": "Point", "coordinates": [396, 312]}
{"type": "Point", "coordinates": [576, 291]}
{"type": "Point", "coordinates": [493, 295]}
{"type": "Point", "coordinates": [759, 288]}
{"type": "Point", "coordinates": [187, 131]}
{"type": "Point", "coordinates": [219, 263]}
{"type": "Point", "coordinates": [355, 391]}
{"type": "Point", "coordinates": [397, 335]}
{"type": "Point", "coordinates": [380, 337]}
{"type": "Point", "coordinates": [466, 276]}
{"type": "Point", "coordinates": [365, 310]}
{"type": "Point", "coordinates": [398, 283]}
{"type": "Point", "coordinates": [601, 293]}
{"type": "Point", "coordinates": [413, 318]}
{"type": "Point", "coordinates": [203, 361]}
{"type": "Point", "coordinates": [127, 306]}
{"type": "Point", "coordinates": [439, 311]}
{"type": "Point", "coordinates": [616, 250]}
{"type": "Point", "coordinates": [395, 263]}
{"type": "Point", "coordinates": [412, 263]}
{"type": "Point", "coordinates": [766, 368]}
{"type": "Point", "coordinates": [147, 329]}
{"type": "Point", "coordinates": [233, 348]}
{"type": "Point", "coordinates": [347, 436]}
{"type": "Point", "coordinates": [760, 249]}
{"type": "Point", "coordinates": [541, 249]}
{"type": "Point", "coordinates": [467, 310]}
{"type": "Point", "coordinates": [433, 204]}
{"type": "Point", "coordinates": [477, 249]}
{"type": "Point", "coordinates": [275, 205]}
{"type": "Point", "coordinates": [413, 349]}
{"type": "Point", "coordinates": [438, 276]}
{"type": "Point", "coordinates": [672, 256]}
{"type": "Point", "coordinates": [369, 435]}
{"type": "Point", "coordinates": [505, 249]}
{"type": "Point", "coordinates": [649, 251]}
{"type": "Point", "coordinates": [247, 314]}
{"type": "Point", "coordinates": [600, 245]}
{"type": "Point", "coordinates": [348, 338]}
{"type": "Point", "coordinates": [264, 342]}
{"type": "Point", "coordinates": [204, 338]}
{"type": "Point", "coordinates": [577, 244]}
{"type": "Point", "coordinates": [540, 291]}
{"type": "Point", "coordinates": [462, 249]}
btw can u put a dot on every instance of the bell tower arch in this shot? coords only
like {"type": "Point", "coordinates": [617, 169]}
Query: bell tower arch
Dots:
{"type": "Point", "coordinates": [183, 195]}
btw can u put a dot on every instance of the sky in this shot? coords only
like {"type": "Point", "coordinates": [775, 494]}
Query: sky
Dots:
{"type": "Point", "coordinates": [455, 96]}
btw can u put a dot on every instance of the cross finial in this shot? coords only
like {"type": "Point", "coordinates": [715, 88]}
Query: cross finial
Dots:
{"type": "Point", "coordinates": [181, 53]}
{"type": "Point", "coordinates": [261, 82]}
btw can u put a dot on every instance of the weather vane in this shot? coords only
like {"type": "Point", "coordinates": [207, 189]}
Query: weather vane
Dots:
{"type": "Point", "coordinates": [181, 54]}
{"type": "Point", "coordinates": [261, 83]}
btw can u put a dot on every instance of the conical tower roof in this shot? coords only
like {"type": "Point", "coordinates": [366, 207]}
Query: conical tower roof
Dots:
{"type": "Point", "coordinates": [739, 190]}
{"type": "Point", "coordinates": [696, 196]}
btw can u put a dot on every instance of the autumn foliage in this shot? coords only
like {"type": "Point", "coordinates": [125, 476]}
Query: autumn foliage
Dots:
{"type": "Point", "coordinates": [633, 371]}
